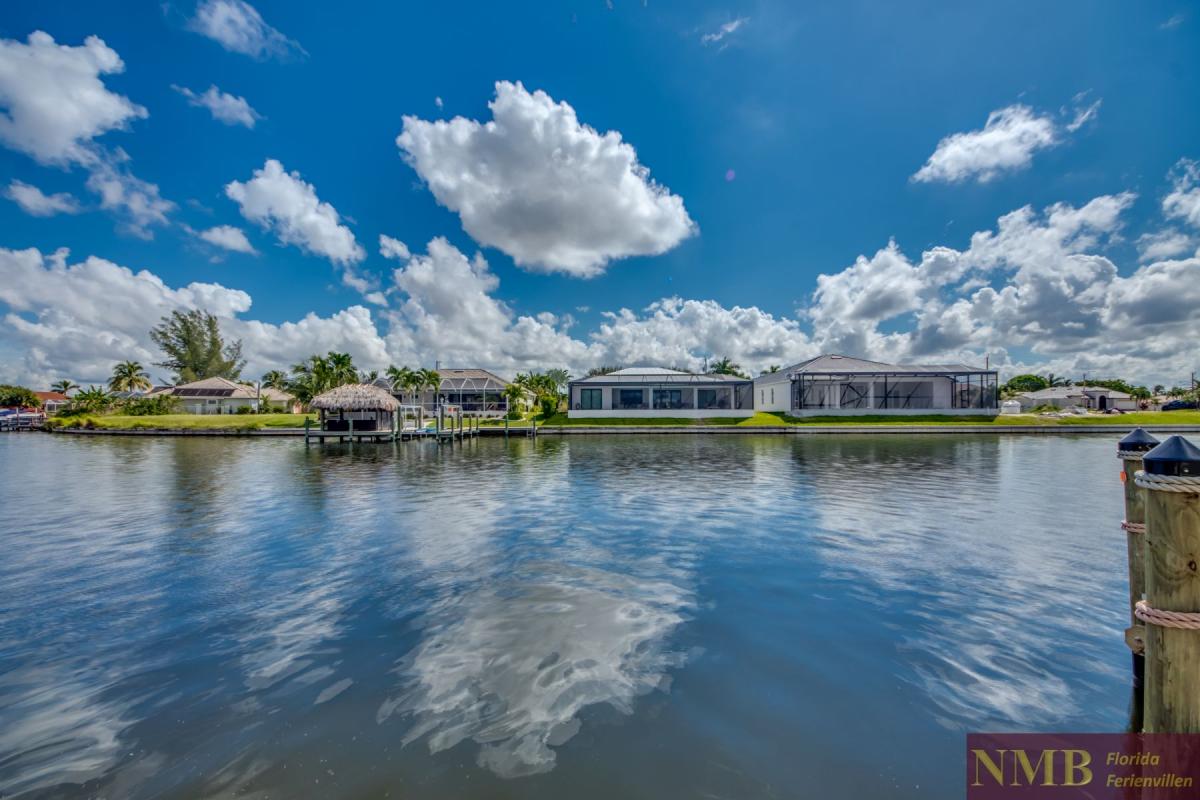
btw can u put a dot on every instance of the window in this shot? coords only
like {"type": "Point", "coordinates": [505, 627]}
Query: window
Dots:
{"type": "Point", "coordinates": [903, 394]}
{"type": "Point", "coordinates": [712, 398]}
{"type": "Point", "coordinates": [631, 398]}
{"type": "Point", "coordinates": [762, 396]}
{"type": "Point", "coordinates": [855, 395]}
{"type": "Point", "coordinates": [591, 399]}
{"type": "Point", "coordinates": [668, 398]}
{"type": "Point", "coordinates": [772, 394]}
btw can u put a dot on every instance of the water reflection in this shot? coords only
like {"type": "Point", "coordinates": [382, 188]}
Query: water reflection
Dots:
{"type": "Point", "coordinates": [186, 618]}
{"type": "Point", "coordinates": [514, 649]}
{"type": "Point", "coordinates": [510, 665]}
{"type": "Point", "coordinates": [982, 571]}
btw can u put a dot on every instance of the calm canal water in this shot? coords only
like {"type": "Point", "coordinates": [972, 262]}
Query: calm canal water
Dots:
{"type": "Point", "coordinates": [634, 617]}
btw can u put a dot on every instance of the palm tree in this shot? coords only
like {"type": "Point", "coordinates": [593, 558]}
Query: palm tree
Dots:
{"type": "Point", "coordinates": [771, 370]}
{"type": "Point", "coordinates": [341, 369]}
{"type": "Point", "coordinates": [93, 399]}
{"type": "Point", "coordinates": [429, 379]}
{"type": "Point", "coordinates": [368, 377]}
{"type": "Point", "coordinates": [1056, 380]}
{"type": "Point", "coordinates": [275, 379]}
{"type": "Point", "coordinates": [1158, 388]}
{"type": "Point", "coordinates": [64, 386]}
{"type": "Point", "coordinates": [725, 367]}
{"type": "Point", "coordinates": [401, 378]}
{"type": "Point", "coordinates": [514, 393]}
{"type": "Point", "coordinates": [129, 376]}
{"type": "Point", "coordinates": [559, 377]}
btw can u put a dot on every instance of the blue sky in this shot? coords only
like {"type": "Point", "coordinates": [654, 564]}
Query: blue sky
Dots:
{"type": "Point", "coordinates": [790, 135]}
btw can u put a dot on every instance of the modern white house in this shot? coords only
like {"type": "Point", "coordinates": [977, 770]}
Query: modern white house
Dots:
{"type": "Point", "coordinates": [657, 392]}
{"type": "Point", "coordinates": [836, 385]}
{"type": "Point", "coordinates": [1095, 398]}
{"type": "Point", "coordinates": [223, 396]}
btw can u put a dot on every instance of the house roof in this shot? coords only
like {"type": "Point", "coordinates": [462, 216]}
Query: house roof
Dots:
{"type": "Point", "coordinates": [356, 397]}
{"type": "Point", "coordinates": [277, 395]}
{"type": "Point", "coordinates": [1067, 392]}
{"type": "Point", "coordinates": [833, 364]}
{"type": "Point", "coordinates": [634, 375]}
{"type": "Point", "coordinates": [456, 380]}
{"type": "Point", "coordinates": [211, 387]}
{"type": "Point", "coordinates": [462, 379]}
{"type": "Point", "coordinates": [56, 397]}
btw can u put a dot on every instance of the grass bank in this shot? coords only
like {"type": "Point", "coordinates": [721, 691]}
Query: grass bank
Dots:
{"type": "Point", "coordinates": [770, 419]}
{"type": "Point", "coordinates": [226, 422]}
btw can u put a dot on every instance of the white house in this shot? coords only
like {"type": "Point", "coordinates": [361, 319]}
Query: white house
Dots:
{"type": "Point", "coordinates": [223, 396]}
{"type": "Point", "coordinates": [657, 392]}
{"type": "Point", "coordinates": [1091, 397]}
{"type": "Point", "coordinates": [835, 385]}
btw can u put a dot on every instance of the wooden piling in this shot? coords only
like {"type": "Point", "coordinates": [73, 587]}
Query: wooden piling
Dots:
{"type": "Point", "coordinates": [1130, 450]}
{"type": "Point", "coordinates": [1171, 477]}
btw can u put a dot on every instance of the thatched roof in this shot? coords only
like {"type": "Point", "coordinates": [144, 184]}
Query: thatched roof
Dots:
{"type": "Point", "coordinates": [356, 397]}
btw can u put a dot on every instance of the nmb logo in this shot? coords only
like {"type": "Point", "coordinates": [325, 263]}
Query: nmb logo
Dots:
{"type": "Point", "coordinates": [1003, 767]}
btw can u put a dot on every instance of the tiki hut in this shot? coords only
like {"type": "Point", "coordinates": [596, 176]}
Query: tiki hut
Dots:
{"type": "Point", "coordinates": [357, 407]}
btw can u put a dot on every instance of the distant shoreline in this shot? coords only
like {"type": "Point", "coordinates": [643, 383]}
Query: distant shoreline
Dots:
{"type": "Point", "coordinates": [602, 430]}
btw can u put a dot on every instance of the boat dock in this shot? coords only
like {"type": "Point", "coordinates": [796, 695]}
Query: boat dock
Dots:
{"type": "Point", "coordinates": [447, 425]}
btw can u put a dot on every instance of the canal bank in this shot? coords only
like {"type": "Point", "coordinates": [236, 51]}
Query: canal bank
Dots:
{"type": "Point", "coordinates": [601, 430]}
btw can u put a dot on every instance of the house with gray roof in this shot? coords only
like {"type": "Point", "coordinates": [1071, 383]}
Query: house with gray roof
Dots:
{"type": "Point", "coordinates": [1095, 398]}
{"type": "Point", "coordinates": [476, 392]}
{"type": "Point", "coordinates": [836, 385]}
{"type": "Point", "coordinates": [657, 392]}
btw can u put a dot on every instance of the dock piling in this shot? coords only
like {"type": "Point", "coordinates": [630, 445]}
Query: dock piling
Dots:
{"type": "Point", "coordinates": [1130, 450]}
{"type": "Point", "coordinates": [1171, 611]}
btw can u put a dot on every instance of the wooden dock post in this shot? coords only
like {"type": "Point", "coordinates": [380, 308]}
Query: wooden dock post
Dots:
{"type": "Point", "coordinates": [1171, 610]}
{"type": "Point", "coordinates": [307, 423]}
{"type": "Point", "coordinates": [1130, 450]}
{"type": "Point", "coordinates": [506, 427]}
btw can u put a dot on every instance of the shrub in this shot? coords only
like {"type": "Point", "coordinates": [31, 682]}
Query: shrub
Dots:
{"type": "Point", "coordinates": [151, 406]}
{"type": "Point", "coordinates": [549, 406]}
{"type": "Point", "coordinates": [245, 410]}
{"type": "Point", "coordinates": [513, 414]}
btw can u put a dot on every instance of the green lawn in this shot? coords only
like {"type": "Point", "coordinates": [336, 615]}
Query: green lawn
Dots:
{"type": "Point", "coordinates": [767, 418]}
{"type": "Point", "coordinates": [231, 422]}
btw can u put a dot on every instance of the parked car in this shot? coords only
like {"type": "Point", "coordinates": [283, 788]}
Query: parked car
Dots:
{"type": "Point", "coordinates": [1181, 405]}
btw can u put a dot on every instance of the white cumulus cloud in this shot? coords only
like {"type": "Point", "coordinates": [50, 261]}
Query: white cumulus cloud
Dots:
{"type": "Point", "coordinates": [238, 27]}
{"type": "Point", "coordinates": [1183, 202]}
{"type": "Point", "coordinates": [55, 101]}
{"type": "Point", "coordinates": [1006, 143]}
{"type": "Point", "coordinates": [229, 238]}
{"type": "Point", "coordinates": [536, 183]}
{"type": "Point", "coordinates": [281, 202]}
{"type": "Point", "coordinates": [56, 104]}
{"type": "Point", "coordinates": [224, 107]}
{"type": "Point", "coordinates": [136, 202]}
{"type": "Point", "coordinates": [34, 202]}
{"type": "Point", "coordinates": [393, 248]}
{"type": "Point", "coordinates": [1037, 291]}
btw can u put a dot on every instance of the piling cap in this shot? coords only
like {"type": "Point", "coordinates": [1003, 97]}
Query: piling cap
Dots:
{"type": "Point", "coordinates": [1138, 440]}
{"type": "Point", "coordinates": [1175, 456]}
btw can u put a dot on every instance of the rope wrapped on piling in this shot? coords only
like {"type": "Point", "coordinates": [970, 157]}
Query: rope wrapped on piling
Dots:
{"type": "Point", "coordinates": [1185, 620]}
{"type": "Point", "coordinates": [1184, 484]}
